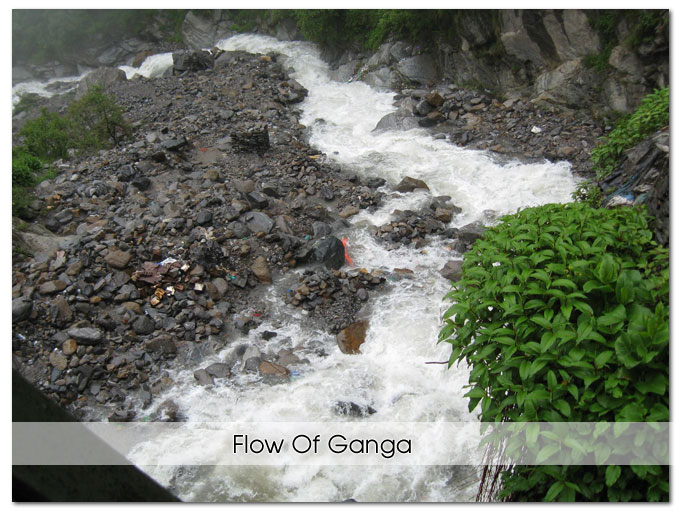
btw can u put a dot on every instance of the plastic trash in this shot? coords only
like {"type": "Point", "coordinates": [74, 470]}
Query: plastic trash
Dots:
{"type": "Point", "coordinates": [347, 256]}
{"type": "Point", "coordinates": [536, 129]}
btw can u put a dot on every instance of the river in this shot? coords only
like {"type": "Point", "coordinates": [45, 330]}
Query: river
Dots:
{"type": "Point", "coordinates": [391, 374]}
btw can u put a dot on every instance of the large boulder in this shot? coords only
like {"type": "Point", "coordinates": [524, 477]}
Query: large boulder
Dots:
{"type": "Point", "coordinates": [103, 77]}
{"type": "Point", "coordinates": [191, 61]}
{"type": "Point", "coordinates": [203, 31]}
{"type": "Point", "coordinates": [420, 68]}
{"type": "Point", "coordinates": [330, 251]}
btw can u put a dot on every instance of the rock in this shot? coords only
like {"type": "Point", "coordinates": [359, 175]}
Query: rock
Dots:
{"type": "Point", "coordinates": [203, 377]}
{"type": "Point", "coordinates": [168, 411]}
{"type": "Point", "coordinates": [219, 370]}
{"type": "Point", "coordinates": [420, 68]}
{"type": "Point", "coordinates": [164, 344]}
{"type": "Point", "coordinates": [261, 270]}
{"type": "Point", "coordinates": [258, 222]}
{"type": "Point", "coordinates": [351, 338]}
{"type": "Point", "coordinates": [348, 211]}
{"type": "Point", "coordinates": [330, 252]}
{"type": "Point", "coordinates": [58, 360]}
{"type": "Point", "coordinates": [118, 259]}
{"type": "Point", "coordinates": [51, 287]}
{"type": "Point", "coordinates": [204, 217]}
{"type": "Point", "coordinates": [143, 325]}
{"type": "Point", "coordinates": [86, 336]}
{"type": "Point", "coordinates": [409, 184]}
{"type": "Point", "coordinates": [435, 99]}
{"type": "Point", "coordinates": [21, 309]}
{"type": "Point", "coordinates": [141, 183]}
{"type": "Point", "coordinates": [69, 347]}
{"type": "Point", "coordinates": [452, 270]}
{"type": "Point", "coordinates": [191, 61]}
{"type": "Point", "coordinates": [104, 77]}
{"type": "Point", "coordinates": [399, 121]}
{"type": "Point", "coordinates": [353, 409]}
{"type": "Point", "coordinates": [273, 369]}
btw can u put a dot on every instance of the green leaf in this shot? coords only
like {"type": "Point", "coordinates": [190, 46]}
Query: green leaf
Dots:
{"type": "Point", "coordinates": [602, 358]}
{"type": "Point", "coordinates": [612, 474]}
{"type": "Point", "coordinates": [563, 407]}
{"type": "Point", "coordinates": [555, 490]}
{"type": "Point", "coordinates": [546, 452]}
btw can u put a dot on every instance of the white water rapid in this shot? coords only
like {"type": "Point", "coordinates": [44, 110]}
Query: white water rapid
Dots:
{"type": "Point", "coordinates": [390, 374]}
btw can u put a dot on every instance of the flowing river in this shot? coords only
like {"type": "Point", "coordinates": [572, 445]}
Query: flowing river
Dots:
{"type": "Point", "coordinates": [390, 374]}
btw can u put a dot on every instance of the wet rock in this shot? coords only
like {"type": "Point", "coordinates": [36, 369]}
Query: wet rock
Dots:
{"type": "Point", "coordinates": [202, 376]}
{"type": "Point", "coordinates": [330, 252]}
{"type": "Point", "coordinates": [452, 270]}
{"type": "Point", "coordinates": [348, 211]}
{"type": "Point", "coordinates": [218, 370]}
{"type": "Point", "coordinates": [163, 345]}
{"type": "Point", "coordinates": [351, 338]}
{"type": "Point", "coordinates": [351, 409]}
{"type": "Point", "coordinates": [409, 184]}
{"type": "Point", "coordinates": [273, 369]}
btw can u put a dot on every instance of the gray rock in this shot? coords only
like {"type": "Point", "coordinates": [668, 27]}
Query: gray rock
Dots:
{"type": "Point", "coordinates": [118, 259]}
{"type": "Point", "coordinates": [420, 68]}
{"type": "Point", "coordinates": [203, 377]}
{"type": "Point", "coordinates": [219, 370]}
{"type": "Point", "coordinates": [204, 217]}
{"type": "Point", "coordinates": [104, 77]}
{"type": "Point", "coordinates": [86, 336]}
{"type": "Point", "coordinates": [258, 222]}
{"type": "Point", "coordinates": [164, 344]}
{"type": "Point", "coordinates": [143, 325]}
{"type": "Point", "coordinates": [21, 308]}
{"type": "Point", "coordinates": [452, 270]}
{"type": "Point", "coordinates": [330, 252]}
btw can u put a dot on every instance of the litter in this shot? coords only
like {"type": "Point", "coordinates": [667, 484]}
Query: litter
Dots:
{"type": "Point", "coordinates": [167, 261]}
{"type": "Point", "coordinates": [347, 256]}
{"type": "Point", "coordinates": [536, 129]}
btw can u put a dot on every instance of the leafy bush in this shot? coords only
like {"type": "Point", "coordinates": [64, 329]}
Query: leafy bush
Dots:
{"type": "Point", "coordinates": [47, 136]}
{"type": "Point", "coordinates": [95, 121]}
{"type": "Point", "coordinates": [651, 115]}
{"type": "Point", "coordinates": [562, 314]}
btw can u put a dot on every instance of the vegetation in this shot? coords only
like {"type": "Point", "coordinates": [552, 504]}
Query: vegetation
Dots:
{"type": "Point", "coordinates": [92, 123]}
{"type": "Point", "coordinates": [562, 314]}
{"type": "Point", "coordinates": [651, 115]}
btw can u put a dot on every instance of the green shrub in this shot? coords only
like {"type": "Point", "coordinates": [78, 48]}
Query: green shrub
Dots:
{"type": "Point", "coordinates": [47, 136]}
{"type": "Point", "coordinates": [24, 167]}
{"type": "Point", "coordinates": [562, 314]}
{"type": "Point", "coordinates": [95, 121]}
{"type": "Point", "coordinates": [651, 115]}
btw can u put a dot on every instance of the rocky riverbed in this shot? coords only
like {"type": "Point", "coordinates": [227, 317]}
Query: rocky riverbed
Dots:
{"type": "Point", "coordinates": [157, 253]}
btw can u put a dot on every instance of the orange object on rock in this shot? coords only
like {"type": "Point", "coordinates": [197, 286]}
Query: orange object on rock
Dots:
{"type": "Point", "coordinates": [347, 257]}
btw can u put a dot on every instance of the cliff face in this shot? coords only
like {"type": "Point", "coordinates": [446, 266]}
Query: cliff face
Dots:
{"type": "Point", "coordinates": [542, 54]}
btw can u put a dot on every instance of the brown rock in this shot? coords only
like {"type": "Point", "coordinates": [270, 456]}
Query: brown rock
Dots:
{"type": "Point", "coordinates": [272, 368]}
{"type": "Point", "coordinates": [435, 99]}
{"type": "Point", "coordinates": [58, 360]}
{"type": "Point", "coordinates": [69, 347]}
{"type": "Point", "coordinates": [118, 259]}
{"type": "Point", "coordinates": [348, 211]}
{"type": "Point", "coordinates": [51, 287]}
{"type": "Point", "coordinates": [351, 338]}
{"type": "Point", "coordinates": [261, 270]}
{"type": "Point", "coordinates": [409, 184]}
